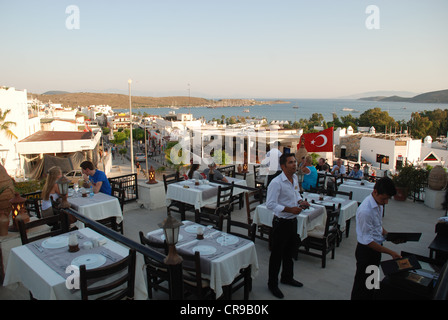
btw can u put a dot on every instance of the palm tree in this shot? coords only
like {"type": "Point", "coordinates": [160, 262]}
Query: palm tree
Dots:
{"type": "Point", "coordinates": [5, 125]}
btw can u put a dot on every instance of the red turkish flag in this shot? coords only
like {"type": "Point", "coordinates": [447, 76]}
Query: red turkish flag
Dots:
{"type": "Point", "coordinates": [318, 141]}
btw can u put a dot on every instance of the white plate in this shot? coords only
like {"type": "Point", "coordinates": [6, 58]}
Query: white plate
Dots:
{"type": "Point", "coordinates": [92, 260]}
{"type": "Point", "coordinates": [55, 242]}
{"type": "Point", "coordinates": [227, 239]}
{"type": "Point", "coordinates": [204, 250]}
{"type": "Point", "coordinates": [193, 228]}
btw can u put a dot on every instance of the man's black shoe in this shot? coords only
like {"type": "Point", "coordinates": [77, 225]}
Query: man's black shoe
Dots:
{"type": "Point", "coordinates": [276, 291]}
{"type": "Point", "coordinates": [293, 283]}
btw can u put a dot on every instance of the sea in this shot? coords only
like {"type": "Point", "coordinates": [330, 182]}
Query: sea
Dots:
{"type": "Point", "coordinates": [296, 109]}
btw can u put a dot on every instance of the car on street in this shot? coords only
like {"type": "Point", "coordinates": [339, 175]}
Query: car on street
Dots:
{"type": "Point", "coordinates": [140, 157]}
{"type": "Point", "coordinates": [74, 175]}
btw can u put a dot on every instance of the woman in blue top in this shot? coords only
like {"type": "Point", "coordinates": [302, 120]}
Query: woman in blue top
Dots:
{"type": "Point", "coordinates": [310, 178]}
{"type": "Point", "coordinates": [95, 178]}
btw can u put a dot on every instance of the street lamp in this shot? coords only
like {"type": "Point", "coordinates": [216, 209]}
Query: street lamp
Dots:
{"type": "Point", "coordinates": [130, 123]}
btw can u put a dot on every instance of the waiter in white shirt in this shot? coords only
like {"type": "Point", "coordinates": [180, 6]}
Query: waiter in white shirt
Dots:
{"type": "Point", "coordinates": [284, 199]}
{"type": "Point", "coordinates": [371, 235]}
{"type": "Point", "coordinates": [272, 161]}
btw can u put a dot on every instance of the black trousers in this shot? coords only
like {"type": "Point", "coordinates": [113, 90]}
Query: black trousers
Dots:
{"type": "Point", "coordinates": [364, 258]}
{"type": "Point", "coordinates": [283, 243]}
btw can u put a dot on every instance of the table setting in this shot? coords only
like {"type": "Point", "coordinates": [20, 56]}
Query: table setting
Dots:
{"type": "Point", "coordinates": [307, 220]}
{"type": "Point", "coordinates": [222, 254]}
{"type": "Point", "coordinates": [348, 207]}
{"type": "Point", "coordinates": [199, 192]}
{"type": "Point", "coordinates": [41, 266]}
{"type": "Point", "coordinates": [96, 207]}
{"type": "Point", "coordinates": [360, 188]}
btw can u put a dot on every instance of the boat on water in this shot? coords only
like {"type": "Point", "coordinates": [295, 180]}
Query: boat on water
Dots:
{"type": "Point", "coordinates": [350, 110]}
{"type": "Point", "coordinates": [295, 107]}
{"type": "Point", "coordinates": [246, 110]}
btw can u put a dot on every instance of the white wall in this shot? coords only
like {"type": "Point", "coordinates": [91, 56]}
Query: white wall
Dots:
{"type": "Point", "coordinates": [17, 102]}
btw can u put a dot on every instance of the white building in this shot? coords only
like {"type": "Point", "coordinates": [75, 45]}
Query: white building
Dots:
{"type": "Point", "coordinates": [27, 123]}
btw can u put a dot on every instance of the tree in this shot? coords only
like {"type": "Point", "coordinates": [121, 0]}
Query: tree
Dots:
{"type": "Point", "coordinates": [5, 125]}
{"type": "Point", "coordinates": [376, 118]}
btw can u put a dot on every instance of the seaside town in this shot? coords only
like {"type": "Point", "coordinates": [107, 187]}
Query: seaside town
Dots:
{"type": "Point", "coordinates": [39, 136]}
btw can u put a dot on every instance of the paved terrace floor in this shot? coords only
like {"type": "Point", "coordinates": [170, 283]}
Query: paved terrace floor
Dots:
{"type": "Point", "coordinates": [331, 283]}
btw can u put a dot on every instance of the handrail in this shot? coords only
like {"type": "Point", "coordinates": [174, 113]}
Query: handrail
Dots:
{"type": "Point", "coordinates": [176, 277]}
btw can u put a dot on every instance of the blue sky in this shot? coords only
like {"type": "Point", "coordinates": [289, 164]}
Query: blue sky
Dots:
{"type": "Point", "coordinates": [244, 48]}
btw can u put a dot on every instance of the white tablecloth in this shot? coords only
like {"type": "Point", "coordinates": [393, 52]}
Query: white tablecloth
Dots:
{"type": "Point", "coordinates": [348, 207]}
{"type": "Point", "coordinates": [223, 268]}
{"type": "Point", "coordinates": [46, 284]}
{"type": "Point", "coordinates": [264, 216]}
{"type": "Point", "coordinates": [194, 195]}
{"type": "Point", "coordinates": [359, 192]}
{"type": "Point", "coordinates": [98, 207]}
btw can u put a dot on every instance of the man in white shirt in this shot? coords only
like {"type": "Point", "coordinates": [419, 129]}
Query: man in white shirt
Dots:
{"type": "Point", "coordinates": [339, 169]}
{"type": "Point", "coordinates": [272, 161]}
{"type": "Point", "coordinates": [284, 199]}
{"type": "Point", "coordinates": [371, 235]}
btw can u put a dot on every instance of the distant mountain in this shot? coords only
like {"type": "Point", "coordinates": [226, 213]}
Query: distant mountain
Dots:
{"type": "Point", "coordinates": [116, 100]}
{"type": "Point", "coordinates": [55, 92]}
{"type": "Point", "coordinates": [429, 97]}
{"type": "Point", "coordinates": [383, 94]}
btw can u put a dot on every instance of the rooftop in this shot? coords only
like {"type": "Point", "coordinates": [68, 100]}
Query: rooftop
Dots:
{"type": "Point", "coordinates": [331, 283]}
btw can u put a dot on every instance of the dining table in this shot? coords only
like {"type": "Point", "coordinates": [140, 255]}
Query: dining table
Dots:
{"type": "Point", "coordinates": [222, 255]}
{"type": "Point", "coordinates": [199, 195]}
{"type": "Point", "coordinates": [360, 188]}
{"type": "Point", "coordinates": [307, 220]}
{"type": "Point", "coordinates": [96, 207]}
{"type": "Point", "coordinates": [348, 207]}
{"type": "Point", "coordinates": [41, 266]}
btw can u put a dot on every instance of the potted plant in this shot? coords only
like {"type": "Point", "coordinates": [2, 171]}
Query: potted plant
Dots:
{"type": "Point", "coordinates": [408, 180]}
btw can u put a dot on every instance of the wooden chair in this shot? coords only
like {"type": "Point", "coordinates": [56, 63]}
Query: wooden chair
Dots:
{"type": "Point", "coordinates": [244, 278]}
{"type": "Point", "coordinates": [111, 222]}
{"type": "Point", "coordinates": [119, 193]}
{"type": "Point", "coordinates": [33, 206]}
{"type": "Point", "coordinates": [55, 225]}
{"type": "Point", "coordinates": [194, 283]}
{"type": "Point", "coordinates": [324, 238]}
{"type": "Point", "coordinates": [124, 269]}
{"type": "Point", "coordinates": [223, 204]}
{"type": "Point", "coordinates": [228, 171]}
{"type": "Point", "coordinates": [156, 271]}
{"type": "Point", "coordinates": [259, 182]}
{"type": "Point", "coordinates": [215, 220]}
{"type": "Point", "coordinates": [253, 199]}
{"type": "Point", "coordinates": [349, 196]}
{"type": "Point", "coordinates": [176, 206]}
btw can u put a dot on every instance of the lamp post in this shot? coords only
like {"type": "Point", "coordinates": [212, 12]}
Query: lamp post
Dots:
{"type": "Point", "coordinates": [63, 183]}
{"type": "Point", "coordinates": [18, 211]}
{"type": "Point", "coordinates": [130, 124]}
{"type": "Point", "coordinates": [171, 229]}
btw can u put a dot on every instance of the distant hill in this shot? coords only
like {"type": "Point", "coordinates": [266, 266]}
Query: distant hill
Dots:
{"type": "Point", "coordinates": [381, 94]}
{"type": "Point", "coordinates": [120, 101]}
{"type": "Point", "coordinates": [55, 92]}
{"type": "Point", "coordinates": [429, 97]}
